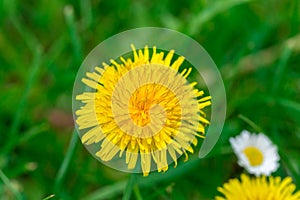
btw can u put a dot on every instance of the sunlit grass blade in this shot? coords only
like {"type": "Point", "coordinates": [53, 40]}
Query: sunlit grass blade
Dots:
{"type": "Point", "coordinates": [290, 104]}
{"type": "Point", "coordinates": [251, 123]}
{"type": "Point", "coordinates": [9, 185]}
{"type": "Point", "coordinates": [49, 197]}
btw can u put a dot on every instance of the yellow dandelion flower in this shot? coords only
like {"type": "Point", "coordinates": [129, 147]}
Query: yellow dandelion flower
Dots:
{"type": "Point", "coordinates": [144, 107]}
{"type": "Point", "coordinates": [259, 188]}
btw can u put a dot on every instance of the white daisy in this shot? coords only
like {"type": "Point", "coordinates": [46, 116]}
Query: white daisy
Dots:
{"type": "Point", "coordinates": [256, 153]}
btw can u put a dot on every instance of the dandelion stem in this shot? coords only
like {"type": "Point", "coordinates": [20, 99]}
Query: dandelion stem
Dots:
{"type": "Point", "coordinates": [129, 187]}
{"type": "Point", "coordinates": [137, 192]}
{"type": "Point", "coordinates": [111, 191]}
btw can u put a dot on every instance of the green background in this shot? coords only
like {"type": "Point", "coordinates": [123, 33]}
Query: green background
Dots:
{"type": "Point", "coordinates": [255, 44]}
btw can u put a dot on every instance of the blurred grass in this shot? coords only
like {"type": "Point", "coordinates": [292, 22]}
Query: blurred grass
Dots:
{"type": "Point", "coordinates": [42, 44]}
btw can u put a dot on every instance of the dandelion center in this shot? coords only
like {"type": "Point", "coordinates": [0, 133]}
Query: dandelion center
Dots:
{"type": "Point", "coordinates": [254, 155]}
{"type": "Point", "coordinates": [153, 101]}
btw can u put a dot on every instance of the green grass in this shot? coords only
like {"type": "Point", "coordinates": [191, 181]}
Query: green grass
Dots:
{"type": "Point", "coordinates": [255, 44]}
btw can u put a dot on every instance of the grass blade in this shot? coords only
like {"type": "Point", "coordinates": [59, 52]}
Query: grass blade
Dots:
{"type": "Point", "coordinates": [49, 197]}
{"type": "Point", "coordinates": [30, 40]}
{"type": "Point", "coordinates": [290, 104]}
{"type": "Point", "coordinates": [286, 54]}
{"type": "Point", "coordinates": [70, 20]}
{"type": "Point", "coordinates": [86, 13]}
{"type": "Point", "coordinates": [211, 11]}
{"type": "Point", "coordinates": [36, 64]}
{"type": "Point", "coordinates": [290, 168]}
{"type": "Point", "coordinates": [107, 192]}
{"type": "Point", "coordinates": [12, 143]}
{"type": "Point", "coordinates": [251, 123]}
{"type": "Point", "coordinates": [66, 162]}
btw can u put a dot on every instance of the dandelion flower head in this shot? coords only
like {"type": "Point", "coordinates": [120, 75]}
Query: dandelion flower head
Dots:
{"type": "Point", "coordinates": [142, 109]}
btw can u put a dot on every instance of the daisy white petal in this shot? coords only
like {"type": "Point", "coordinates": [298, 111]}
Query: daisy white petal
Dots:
{"type": "Point", "coordinates": [256, 153]}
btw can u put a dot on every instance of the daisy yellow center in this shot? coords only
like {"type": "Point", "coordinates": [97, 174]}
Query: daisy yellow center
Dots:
{"type": "Point", "coordinates": [254, 155]}
{"type": "Point", "coordinates": [155, 99]}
